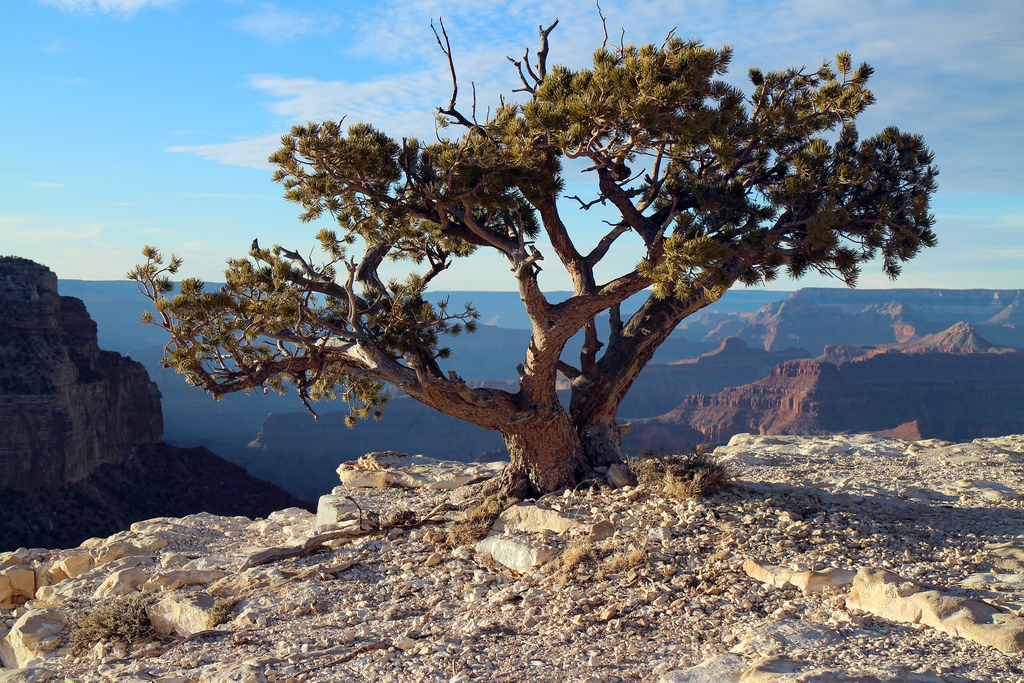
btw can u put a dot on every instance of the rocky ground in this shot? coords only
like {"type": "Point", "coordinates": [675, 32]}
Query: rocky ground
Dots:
{"type": "Point", "coordinates": [846, 558]}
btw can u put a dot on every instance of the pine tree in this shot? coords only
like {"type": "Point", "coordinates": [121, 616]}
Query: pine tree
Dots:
{"type": "Point", "coordinates": [721, 188]}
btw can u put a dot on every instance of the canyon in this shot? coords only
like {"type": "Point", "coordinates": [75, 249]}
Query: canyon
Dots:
{"type": "Point", "coordinates": [81, 451]}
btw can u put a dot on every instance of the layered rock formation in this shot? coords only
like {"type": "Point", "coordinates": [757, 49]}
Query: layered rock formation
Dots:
{"type": "Point", "coordinates": [812, 318]}
{"type": "Point", "coordinates": [67, 406]}
{"type": "Point", "coordinates": [950, 386]}
{"type": "Point", "coordinates": [80, 428]}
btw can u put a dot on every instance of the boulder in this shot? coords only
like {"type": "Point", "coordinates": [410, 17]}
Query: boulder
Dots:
{"type": "Point", "coordinates": [181, 613]}
{"type": "Point", "coordinates": [122, 582]}
{"type": "Point", "coordinates": [525, 517]}
{"type": "Point", "coordinates": [887, 595]}
{"type": "Point", "coordinates": [333, 509]}
{"type": "Point", "coordinates": [33, 675]}
{"type": "Point", "coordinates": [34, 633]}
{"type": "Point", "coordinates": [517, 553]}
{"type": "Point", "coordinates": [620, 475]}
{"type": "Point", "coordinates": [75, 565]}
{"type": "Point", "coordinates": [173, 580]}
{"type": "Point", "coordinates": [17, 584]}
{"type": "Point", "coordinates": [807, 581]}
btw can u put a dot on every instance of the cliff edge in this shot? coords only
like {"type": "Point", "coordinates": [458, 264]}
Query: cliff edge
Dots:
{"type": "Point", "coordinates": [66, 406]}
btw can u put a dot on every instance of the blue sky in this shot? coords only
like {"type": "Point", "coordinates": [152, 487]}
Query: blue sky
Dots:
{"type": "Point", "coordinates": [127, 122]}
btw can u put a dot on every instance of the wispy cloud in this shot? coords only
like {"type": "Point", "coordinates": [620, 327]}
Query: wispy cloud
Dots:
{"type": "Point", "coordinates": [124, 8]}
{"type": "Point", "coordinates": [282, 25]}
{"type": "Point", "coordinates": [46, 184]}
{"type": "Point", "coordinates": [946, 72]}
{"type": "Point", "coordinates": [252, 152]}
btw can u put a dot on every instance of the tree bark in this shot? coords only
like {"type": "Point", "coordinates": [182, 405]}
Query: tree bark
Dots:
{"type": "Point", "coordinates": [597, 394]}
{"type": "Point", "coordinates": [545, 453]}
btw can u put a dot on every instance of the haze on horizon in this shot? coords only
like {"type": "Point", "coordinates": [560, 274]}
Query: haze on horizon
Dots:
{"type": "Point", "coordinates": [149, 121]}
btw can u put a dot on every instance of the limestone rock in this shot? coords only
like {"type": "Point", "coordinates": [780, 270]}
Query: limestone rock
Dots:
{"type": "Point", "coordinates": [516, 553]}
{"type": "Point", "coordinates": [887, 595]}
{"type": "Point", "coordinates": [333, 509]}
{"type": "Point", "coordinates": [527, 517]}
{"type": "Point", "coordinates": [33, 675]}
{"type": "Point", "coordinates": [784, 634]}
{"type": "Point", "coordinates": [74, 565]}
{"type": "Point", "coordinates": [173, 580]}
{"type": "Point", "coordinates": [181, 613]}
{"type": "Point", "coordinates": [1009, 555]}
{"type": "Point", "coordinates": [34, 633]}
{"type": "Point", "coordinates": [122, 582]}
{"type": "Point", "coordinates": [725, 668]}
{"type": "Point", "coordinates": [807, 581]}
{"type": "Point", "coordinates": [600, 531]}
{"type": "Point", "coordinates": [620, 475]}
{"type": "Point", "coordinates": [17, 584]}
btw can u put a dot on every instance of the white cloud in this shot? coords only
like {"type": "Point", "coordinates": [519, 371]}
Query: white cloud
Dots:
{"type": "Point", "coordinates": [252, 153]}
{"type": "Point", "coordinates": [125, 8]}
{"type": "Point", "coordinates": [280, 25]}
{"type": "Point", "coordinates": [46, 184]}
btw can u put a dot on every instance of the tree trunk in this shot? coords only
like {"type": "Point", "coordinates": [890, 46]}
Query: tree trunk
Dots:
{"type": "Point", "coordinates": [545, 454]}
{"type": "Point", "coordinates": [602, 440]}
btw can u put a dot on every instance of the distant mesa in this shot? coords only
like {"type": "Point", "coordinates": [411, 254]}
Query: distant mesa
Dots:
{"type": "Point", "coordinates": [952, 385]}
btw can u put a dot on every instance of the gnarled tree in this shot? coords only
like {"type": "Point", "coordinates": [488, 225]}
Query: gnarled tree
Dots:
{"type": "Point", "coordinates": [720, 187]}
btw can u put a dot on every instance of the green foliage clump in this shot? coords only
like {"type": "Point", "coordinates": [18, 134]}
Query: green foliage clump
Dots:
{"type": "Point", "coordinates": [690, 475]}
{"type": "Point", "coordinates": [124, 618]}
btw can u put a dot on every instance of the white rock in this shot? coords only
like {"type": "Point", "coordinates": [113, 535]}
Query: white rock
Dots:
{"type": "Point", "coordinates": [122, 582]}
{"type": "Point", "coordinates": [807, 581]}
{"type": "Point", "coordinates": [332, 509]}
{"type": "Point", "coordinates": [173, 580]}
{"type": "Point", "coordinates": [181, 613]}
{"type": "Point", "coordinates": [527, 517]}
{"type": "Point", "coordinates": [516, 553]}
{"type": "Point", "coordinates": [17, 584]}
{"type": "Point", "coordinates": [725, 668]}
{"type": "Point", "coordinates": [887, 595]}
{"type": "Point", "coordinates": [31, 635]}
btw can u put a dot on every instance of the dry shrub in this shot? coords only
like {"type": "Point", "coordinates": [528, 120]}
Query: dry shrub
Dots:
{"type": "Point", "coordinates": [599, 559]}
{"type": "Point", "coordinates": [624, 559]}
{"type": "Point", "coordinates": [124, 618]}
{"type": "Point", "coordinates": [477, 521]}
{"type": "Point", "coordinates": [221, 612]}
{"type": "Point", "coordinates": [690, 475]}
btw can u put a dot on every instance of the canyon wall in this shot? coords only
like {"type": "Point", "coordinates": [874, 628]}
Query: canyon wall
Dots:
{"type": "Point", "coordinates": [66, 406]}
{"type": "Point", "coordinates": [953, 386]}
